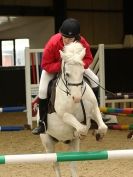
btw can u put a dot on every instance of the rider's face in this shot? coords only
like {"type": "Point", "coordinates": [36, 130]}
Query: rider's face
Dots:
{"type": "Point", "coordinates": [67, 40]}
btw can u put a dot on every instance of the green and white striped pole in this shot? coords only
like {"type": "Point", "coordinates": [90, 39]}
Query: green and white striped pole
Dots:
{"type": "Point", "coordinates": [66, 156]}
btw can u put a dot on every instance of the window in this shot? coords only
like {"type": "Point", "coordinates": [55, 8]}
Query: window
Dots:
{"type": "Point", "coordinates": [20, 45]}
{"type": "Point", "coordinates": [7, 53]}
{"type": "Point", "coordinates": [13, 52]}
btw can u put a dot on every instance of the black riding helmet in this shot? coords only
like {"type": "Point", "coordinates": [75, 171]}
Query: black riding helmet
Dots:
{"type": "Point", "coordinates": [70, 28]}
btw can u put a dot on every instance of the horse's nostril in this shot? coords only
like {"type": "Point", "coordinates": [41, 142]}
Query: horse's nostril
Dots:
{"type": "Point", "coordinates": [76, 99]}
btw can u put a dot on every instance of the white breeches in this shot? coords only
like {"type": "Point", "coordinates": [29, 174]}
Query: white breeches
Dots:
{"type": "Point", "coordinates": [44, 81]}
{"type": "Point", "coordinates": [94, 80]}
{"type": "Point", "coordinates": [46, 78]}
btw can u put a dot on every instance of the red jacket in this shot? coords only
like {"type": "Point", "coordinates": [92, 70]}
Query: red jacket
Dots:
{"type": "Point", "coordinates": [51, 61]}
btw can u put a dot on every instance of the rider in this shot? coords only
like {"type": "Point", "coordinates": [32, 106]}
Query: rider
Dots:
{"type": "Point", "coordinates": [51, 65]}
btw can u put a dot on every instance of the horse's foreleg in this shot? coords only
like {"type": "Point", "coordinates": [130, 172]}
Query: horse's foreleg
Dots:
{"type": "Point", "coordinates": [74, 146]}
{"type": "Point", "coordinates": [47, 142]}
{"type": "Point", "coordinates": [72, 121]}
{"type": "Point", "coordinates": [102, 128]}
{"type": "Point", "coordinates": [49, 145]}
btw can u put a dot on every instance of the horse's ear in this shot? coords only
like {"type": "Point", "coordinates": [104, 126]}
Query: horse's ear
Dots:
{"type": "Point", "coordinates": [83, 53]}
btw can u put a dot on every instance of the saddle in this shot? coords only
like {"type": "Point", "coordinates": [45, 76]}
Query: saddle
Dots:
{"type": "Point", "coordinates": [51, 95]}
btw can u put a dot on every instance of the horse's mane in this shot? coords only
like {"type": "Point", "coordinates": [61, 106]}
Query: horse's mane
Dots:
{"type": "Point", "coordinates": [73, 53]}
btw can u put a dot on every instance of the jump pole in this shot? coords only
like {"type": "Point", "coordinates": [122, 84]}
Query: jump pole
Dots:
{"type": "Point", "coordinates": [13, 109]}
{"type": "Point", "coordinates": [66, 156]}
{"type": "Point", "coordinates": [12, 128]}
{"type": "Point", "coordinates": [121, 127]}
{"type": "Point", "coordinates": [109, 110]}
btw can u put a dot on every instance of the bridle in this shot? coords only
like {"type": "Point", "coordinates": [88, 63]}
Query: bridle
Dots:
{"type": "Point", "coordinates": [67, 91]}
{"type": "Point", "coordinates": [67, 84]}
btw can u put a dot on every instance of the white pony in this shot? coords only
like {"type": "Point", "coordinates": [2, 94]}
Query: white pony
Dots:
{"type": "Point", "coordinates": [74, 102]}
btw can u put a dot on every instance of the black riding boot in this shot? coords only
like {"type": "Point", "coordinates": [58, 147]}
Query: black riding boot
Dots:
{"type": "Point", "coordinates": [43, 107]}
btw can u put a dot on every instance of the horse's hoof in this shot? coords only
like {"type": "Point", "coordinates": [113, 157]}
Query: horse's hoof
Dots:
{"type": "Point", "coordinates": [79, 135]}
{"type": "Point", "coordinates": [82, 137]}
{"type": "Point", "coordinates": [76, 134]}
{"type": "Point", "coordinates": [98, 137]}
{"type": "Point", "coordinates": [130, 135]}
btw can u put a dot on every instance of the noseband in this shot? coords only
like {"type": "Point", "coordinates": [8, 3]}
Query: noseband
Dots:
{"type": "Point", "coordinates": [73, 84]}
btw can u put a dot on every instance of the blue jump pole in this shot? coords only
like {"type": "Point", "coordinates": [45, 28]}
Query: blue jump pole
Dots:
{"type": "Point", "coordinates": [11, 128]}
{"type": "Point", "coordinates": [13, 109]}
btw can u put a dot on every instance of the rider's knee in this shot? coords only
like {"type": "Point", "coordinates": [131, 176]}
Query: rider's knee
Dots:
{"type": "Point", "coordinates": [95, 82]}
{"type": "Point", "coordinates": [96, 79]}
{"type": "Point", "coordinates": [42, 93]}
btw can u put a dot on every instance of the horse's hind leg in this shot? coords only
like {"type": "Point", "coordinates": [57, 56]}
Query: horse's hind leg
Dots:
{"type": "Point", "coordinates": [49, 145]}
{"type": "Point", "coordinates": [57, 169]}
{"type": "Point", "coordinates": [74, 146]}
